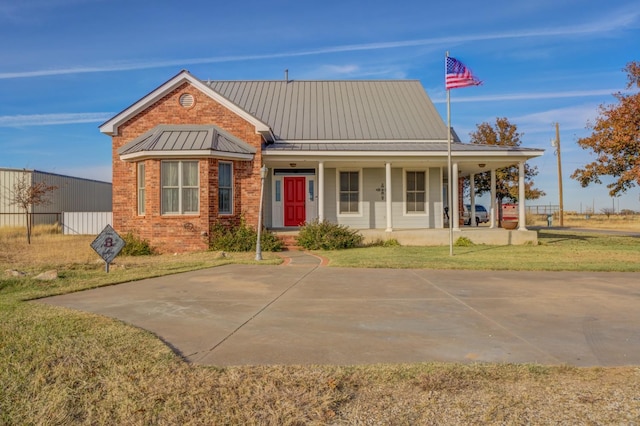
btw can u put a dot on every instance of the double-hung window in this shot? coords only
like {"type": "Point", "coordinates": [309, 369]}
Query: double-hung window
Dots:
{"type": "Point", "coordinates": [225, 188]}
{"type": "Point", "coordinates": [349, 192]}
{"type": "Point", "coordinates": [141, 189]}
{"type": "Point", "coordinates": [415, 192]}
{"type": "Point", "coordinates": [180, 187]}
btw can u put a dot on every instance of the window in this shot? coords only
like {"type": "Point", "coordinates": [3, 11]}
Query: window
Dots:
{"type": "Point", "coordinates": [278, 190]}
{"type": "Point", "coordinates": [180, 187]}
{"type": "Point", "coordinates": [141, 194]}
{"type": "Point", "coordinates": [416, 194]}
{"type": "Point", "coordinates": [349, 192]}
{"type": "Point", "coordinates": [225, 188]}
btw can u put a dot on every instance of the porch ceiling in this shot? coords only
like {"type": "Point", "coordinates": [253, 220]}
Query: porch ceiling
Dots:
{"type": "Point", "coordinates": [466, 164]}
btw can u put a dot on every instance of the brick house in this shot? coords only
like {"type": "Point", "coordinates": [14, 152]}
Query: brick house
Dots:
{"type": "Point", "coordinates": [372, 155]}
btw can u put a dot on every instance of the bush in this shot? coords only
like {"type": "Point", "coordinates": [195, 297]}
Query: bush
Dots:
{"type": "Point", "coordinates": [392, 242]}
{"type": "Point", "coordinates": [464, 242]}
{"type": "Point", "coordinates": [229, 237]}
{"type": "Point", "coordinates": [328, 236]}
{"type": "Point", "coordinates": [136, 246]}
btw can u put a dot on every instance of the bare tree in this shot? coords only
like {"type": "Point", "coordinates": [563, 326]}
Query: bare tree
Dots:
{"type": "Point", "coordinates": [27, 194]}
{"type": "Point", "coordinates": [608, 211]}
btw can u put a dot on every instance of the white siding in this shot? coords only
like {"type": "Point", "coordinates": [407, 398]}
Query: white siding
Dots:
{"type": "Point", "coordinates": [85, 223]}
{"type": "Point", "coordinates": [330, 196]}
{"type": "Point", "coordinates": [435, 203]}
{"type": "Point", "coordinates": [72, 194]}
{"type": "Point", "coordinates": [373, 206]}
{"type": "Point", "coordinates": [11, 215]}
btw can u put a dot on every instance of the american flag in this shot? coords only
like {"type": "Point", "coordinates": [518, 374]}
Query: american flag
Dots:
{"type": "Point", "coordinates": [457, 75]}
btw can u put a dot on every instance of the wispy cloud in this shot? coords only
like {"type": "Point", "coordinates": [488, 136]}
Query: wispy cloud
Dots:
{"type": "Point", "coordinates": [53, 119]}
{"type": "Point", "coordinates": [619, 20]}
{"type": "Point", "coordinates": [572, 119]}
{"type": "Point", "coordinates": [534, 95]}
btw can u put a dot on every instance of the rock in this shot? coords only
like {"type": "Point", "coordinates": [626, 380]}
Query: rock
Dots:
{"type": "Point", "coordinates": [14, 273]}
{"type": "Point", "coordinates": [47, 275]}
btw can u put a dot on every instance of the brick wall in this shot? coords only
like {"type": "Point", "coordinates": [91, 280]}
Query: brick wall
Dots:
{"type": "Point", "coordinates": [180, 233]}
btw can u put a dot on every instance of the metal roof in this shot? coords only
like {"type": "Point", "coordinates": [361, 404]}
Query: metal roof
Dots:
{"type": "Point", "coordinates": [392, 146]}
{"type": "Point", "coordinates": [339, 110]}
{"type": "Point", "coordinates": [186, 138]}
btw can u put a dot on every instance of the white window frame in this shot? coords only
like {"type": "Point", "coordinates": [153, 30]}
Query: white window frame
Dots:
{"type": "Point", "coordinates": [231, 189]}
{"type": "Point", "coordinates": [360, 193]}
{"type": "Point", "coordinates": [140, 186]}
{"type": "Point", "coordinates": [404, 192]}
{"type": "Point", "coordinates": [180, 188]}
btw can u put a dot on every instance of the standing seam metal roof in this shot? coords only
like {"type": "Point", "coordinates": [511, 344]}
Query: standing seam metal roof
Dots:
{"type": "Point", "coordinates": [365, 110]}
{"type": "Point", "coordinates": [187, 138]}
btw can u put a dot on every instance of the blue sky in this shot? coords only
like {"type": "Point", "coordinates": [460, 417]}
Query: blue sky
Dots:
{"type": "Point", "coordinates": [66, 66]}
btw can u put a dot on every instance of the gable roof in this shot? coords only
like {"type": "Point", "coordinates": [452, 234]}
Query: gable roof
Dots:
{"type": "Point", "coordinates": [169, 140]}
{"type": "Point", "coordinates": [292, 110]}
{"type": "Point", "coordinates": [110, 126]}
{"type": "Point", "coordinates": [356, 110]}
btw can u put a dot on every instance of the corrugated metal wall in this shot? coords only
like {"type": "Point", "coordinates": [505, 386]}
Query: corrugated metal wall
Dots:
{"type": "Point", "coordinates": [72, 195]}
{"type": "Point", "coordinates": [11, 215]}
{"type": "Point", "coordinates": [85, 223]}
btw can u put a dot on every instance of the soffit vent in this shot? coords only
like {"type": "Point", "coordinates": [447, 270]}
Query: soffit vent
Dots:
{"type": "Point", "coordinates": [187, 100]}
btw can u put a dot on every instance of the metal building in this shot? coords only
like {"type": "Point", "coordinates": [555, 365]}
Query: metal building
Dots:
{"type": "Point", "coordinates": [73, 194]}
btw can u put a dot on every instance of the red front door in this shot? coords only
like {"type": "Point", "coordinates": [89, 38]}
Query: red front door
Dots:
{"type": "Point", "coordinates": [294, 200]}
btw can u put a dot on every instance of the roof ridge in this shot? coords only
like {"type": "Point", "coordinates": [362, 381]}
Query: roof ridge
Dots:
{"type": "Point", "coordinates": [404, 80]}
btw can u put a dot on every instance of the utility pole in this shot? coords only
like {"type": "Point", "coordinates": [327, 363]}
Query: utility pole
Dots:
{"type": "Point", "coordinates": [556, 144]}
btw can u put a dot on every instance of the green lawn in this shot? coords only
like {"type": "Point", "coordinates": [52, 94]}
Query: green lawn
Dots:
{"type": "Point", "coordinates": [556, 251]}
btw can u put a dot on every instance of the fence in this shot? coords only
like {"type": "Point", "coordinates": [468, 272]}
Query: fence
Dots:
{"type": "Point", "coordinates": [85, 223]}
{"type": "Point", "coordinates": [543, 209]}
{"type": "Point", "coordinates": [20, 219]}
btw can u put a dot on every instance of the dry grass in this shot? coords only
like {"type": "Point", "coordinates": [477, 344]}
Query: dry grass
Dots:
{"type": "Point", "coordinates": [615, 222]}
{"type": "Point", "coordinates": [557, 250]}
{"type": "Point", "coordinates": [59, 366]}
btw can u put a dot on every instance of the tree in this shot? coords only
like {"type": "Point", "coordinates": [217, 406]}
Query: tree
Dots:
{"type": "Point", "coordinates": [608, 211]}
{"type": "Point", "coordinates": [27, 194]}
{"type": "Point", "coordinates": [615, 140]}
{"type": "Point", "coordinates": [504, 133]}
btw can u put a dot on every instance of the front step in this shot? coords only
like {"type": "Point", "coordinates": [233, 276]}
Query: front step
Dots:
{"type": "Point", "coordinates": [289, 239]}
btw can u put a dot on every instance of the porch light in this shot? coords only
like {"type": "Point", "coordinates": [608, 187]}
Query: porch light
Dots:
{"type": "Point", "coordinates": [263, 174]}
{"type": "Point", "coordinates": [292, 164]}
{"type": "Point", "coordinates": [481, 165]}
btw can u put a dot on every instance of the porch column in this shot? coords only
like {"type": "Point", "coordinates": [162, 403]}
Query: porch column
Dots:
{"type": "Point", "coordinates": [321, 191]}
{"type": "Point", "coordinates": [387, 195]}
{"type": "Point", "coordinates": [522, 225]}
{"type": "Point", "coordinates": [492, 221]}
{"type": "Point", "coordinates": [455, 208]}
{"type": "Point", "coordinates": [472, 210]}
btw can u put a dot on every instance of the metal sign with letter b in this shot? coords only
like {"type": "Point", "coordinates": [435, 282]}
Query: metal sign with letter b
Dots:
{"type": "Point", "coordinates": [108, 244]}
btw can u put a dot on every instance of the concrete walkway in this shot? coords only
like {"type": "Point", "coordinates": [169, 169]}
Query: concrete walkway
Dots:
{"type": "Point", "coordinates": [305, 313]}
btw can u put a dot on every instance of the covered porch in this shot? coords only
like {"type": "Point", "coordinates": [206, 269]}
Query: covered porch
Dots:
{"type": "Point", "coordinates": [401, 194]}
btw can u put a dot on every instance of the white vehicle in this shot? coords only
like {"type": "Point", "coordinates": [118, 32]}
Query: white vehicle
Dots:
{"type": "Point", "coordinates": [482, 216]}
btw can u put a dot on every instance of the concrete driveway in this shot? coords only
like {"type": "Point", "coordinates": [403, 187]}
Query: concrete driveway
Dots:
{"type": "Point", "coordinates": [305, 313]}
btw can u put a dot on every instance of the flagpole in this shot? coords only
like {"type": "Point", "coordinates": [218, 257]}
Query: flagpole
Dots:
{"type": "Point", "coordinates": [449, 173]}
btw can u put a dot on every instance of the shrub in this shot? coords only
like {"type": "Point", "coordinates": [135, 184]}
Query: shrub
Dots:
{"type": "Point", "coordinates": [136, 246]}
{"type": "Point", "coordinates": [229, 237]}
{"type": "Point", "coordinates": [379, 242]}
{"type": "Point", "coordinates": [464, 242]}
{"type": "Point", "coordinates": [391, 242]}
{"type": "Point", "coordinates": [328, 236]}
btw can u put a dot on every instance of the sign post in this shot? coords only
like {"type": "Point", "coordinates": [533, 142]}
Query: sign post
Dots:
{"type": "Point", "coordinates": [108, 244]}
